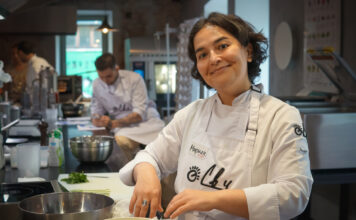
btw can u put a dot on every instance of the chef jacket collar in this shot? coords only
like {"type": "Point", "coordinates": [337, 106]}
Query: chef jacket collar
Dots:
{"type": "Point", "coordinates": [242, 99]}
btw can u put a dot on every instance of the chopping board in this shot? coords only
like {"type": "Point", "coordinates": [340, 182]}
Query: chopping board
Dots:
{"type": "Point", "coordinates": [102, 183]}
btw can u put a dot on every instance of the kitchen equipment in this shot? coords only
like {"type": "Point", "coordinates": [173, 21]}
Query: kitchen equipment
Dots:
{"type": "Point", "coordinates": [12, 193]}
{"type": "Point", "coordinates": [105, 183]}
{"type": "Point", "coordinates": [14, 141]}
{"type": "Point", "coordinates": [3, 137]}
{"type": "Point", "coordinates": [67, 205]}
{"type": "Point", "coordinates": [15, 113]}
{"type": "Point", "coordinates": [91, 148]}
{"type": "Point", "coordinates": [15, 192]}
{"type": "Point", "coordinates": [5, 109]}
{"type": "Point", "coordinates": [25, 127]}
{"type": "Point", "coordinates": [28, 159]}
{"type": "Point", "coordinates": [69, 88]}
{"type": "Point", "coordinates": [2, 151]}
{"type": "Point", "coordinates": [72, 109]}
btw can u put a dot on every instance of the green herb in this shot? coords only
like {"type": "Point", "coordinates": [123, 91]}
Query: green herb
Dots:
{"type": "Point", "coordinates": [76, 177]}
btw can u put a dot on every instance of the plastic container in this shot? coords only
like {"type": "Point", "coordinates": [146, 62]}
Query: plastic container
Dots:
{"type": "Point", "coordinates": [13, 157]}
{"type": "Point", "coordinates": [28, 159]}
{"type": "Point", "coordinates": [55, 149]}
{"type": "Point", "coordinates": [44, 156]}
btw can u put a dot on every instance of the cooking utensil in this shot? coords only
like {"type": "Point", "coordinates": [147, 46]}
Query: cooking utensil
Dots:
{"type": "Point", "coordinates": [72, 109]}
{"type": "Point", "coordinates": [91, 148]}
{"type": "Point", "coordinates": [14, 141]}
{"type": "Point", "coordinates": [76, 102]}
{"type": "Point", "coordinates": [67, 206]}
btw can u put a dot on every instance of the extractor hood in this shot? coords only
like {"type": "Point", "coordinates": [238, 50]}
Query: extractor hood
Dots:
{"type": "Point", "coordinates": [7, 7]}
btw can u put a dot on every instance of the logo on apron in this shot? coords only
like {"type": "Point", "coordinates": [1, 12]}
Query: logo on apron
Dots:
{"type": "Point", "coordinates": [198, 151]}
{"type": "Point", "coordinates": [299, 130]}
{"type": "Point", "coordinates": [208, 179]}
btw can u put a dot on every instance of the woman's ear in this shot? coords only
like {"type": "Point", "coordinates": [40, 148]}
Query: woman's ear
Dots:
{"type": "Point", "coordinates": [249, 52]}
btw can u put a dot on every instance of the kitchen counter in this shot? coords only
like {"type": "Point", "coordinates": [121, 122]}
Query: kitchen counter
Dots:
{"type": "Point", "coordinates": [111, 182]}
{"type": "Point", "coordinates": [112, 164]}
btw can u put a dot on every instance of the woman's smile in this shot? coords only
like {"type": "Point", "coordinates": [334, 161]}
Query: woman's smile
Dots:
{"type": "Point", "coordinates": [220, 69]}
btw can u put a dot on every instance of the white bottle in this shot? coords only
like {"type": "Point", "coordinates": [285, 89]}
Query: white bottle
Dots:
{"type": "Point", "coordinates": [55, 149]}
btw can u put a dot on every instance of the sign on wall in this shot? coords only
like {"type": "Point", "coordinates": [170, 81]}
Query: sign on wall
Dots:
{"type": "Point", "coordinates": [322, 31]}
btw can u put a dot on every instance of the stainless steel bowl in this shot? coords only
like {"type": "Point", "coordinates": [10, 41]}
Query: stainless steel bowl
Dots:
{"type": "Point", "coordinates": [91, 148]}
{"type": "Point", "coordinates": [67, 206]}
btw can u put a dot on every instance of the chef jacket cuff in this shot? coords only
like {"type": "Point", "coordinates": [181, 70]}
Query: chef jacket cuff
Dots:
{"type": "Point", "coordinates": [126, 173]}
{"type": "Point", "coordinates": [140, 112]}
{"type": "Point", "coordinates": [262, 202]}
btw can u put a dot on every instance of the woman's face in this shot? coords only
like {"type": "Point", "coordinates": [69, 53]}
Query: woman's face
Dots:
{"type": "Point", "coordinates": [222, 60]}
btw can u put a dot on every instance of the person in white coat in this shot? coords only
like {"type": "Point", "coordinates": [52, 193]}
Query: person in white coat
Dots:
{"type": "Point", "coordinates": [120, 103]}
{"type": "Point", "coordinates": [240, 154]}
{"type": "Point", "coordinates": [27, 54]}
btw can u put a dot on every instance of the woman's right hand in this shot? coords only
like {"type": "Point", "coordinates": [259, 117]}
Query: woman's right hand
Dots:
{"type": "Point", "coordinates": [147, 188]}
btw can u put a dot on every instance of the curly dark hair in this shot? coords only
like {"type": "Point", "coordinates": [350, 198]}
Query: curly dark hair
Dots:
{"type": "Point", "coordinates": [105, 61]}
{"type": "Point", "coordinates": [243, 31]}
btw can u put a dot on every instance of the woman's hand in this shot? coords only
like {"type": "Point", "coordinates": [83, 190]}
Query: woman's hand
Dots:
{"type": "Point", "coordinates": [190, 200]}
{"type": "Point", "coordinates": [147, 188]}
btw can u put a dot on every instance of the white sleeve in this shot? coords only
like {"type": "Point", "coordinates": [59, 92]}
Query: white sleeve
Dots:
{"type": "Point", "coordinates": [96, 107]}
{"type": "Point", "coordinates": [41, 63]}
{"type": "Point", "coordinates": [162, 153]}
{"type": "Point", "coordinates": [289, 180]}
{"type": "Point", "coordinates": [139, 97]}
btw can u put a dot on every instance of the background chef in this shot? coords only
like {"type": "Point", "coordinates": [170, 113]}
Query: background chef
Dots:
{"type": "Point", "coordinates": [120, 102]}
{"type": "Point", "coordinates": [26, 52]}
{"type": "Point", "coordinates": [237, 154]}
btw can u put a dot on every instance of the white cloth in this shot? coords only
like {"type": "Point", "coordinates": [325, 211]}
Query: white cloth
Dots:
{"type": "Point", "coordinates": [126, 95]}
{"type": "Point", "coordinates": [274, 174]}
{"type": "Point", "coordinates": [35, 65]}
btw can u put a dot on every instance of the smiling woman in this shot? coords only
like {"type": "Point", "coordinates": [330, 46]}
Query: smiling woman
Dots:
{"type": "Point", "coordinates": [230, 148]}
{"type": "Point", "coordinates": [222, 62]}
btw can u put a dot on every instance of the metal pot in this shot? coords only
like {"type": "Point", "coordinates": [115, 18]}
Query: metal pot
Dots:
{"type": "Point", "coordinates": [67, 206]}
{"type": "Point", "coordinates": [91, 148]}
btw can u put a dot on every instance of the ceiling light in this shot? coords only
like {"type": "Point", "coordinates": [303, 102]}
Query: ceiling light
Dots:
{"type": "Point", "coordinates": [105, 27]}
{"type": "Point", "coordinates": [3, 13]}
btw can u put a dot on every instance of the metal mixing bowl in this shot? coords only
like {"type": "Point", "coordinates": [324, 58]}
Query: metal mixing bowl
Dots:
{"type": "Point", "coordinates": [91, 148]}
{"type": "Point", "coordinates": [67, 206]}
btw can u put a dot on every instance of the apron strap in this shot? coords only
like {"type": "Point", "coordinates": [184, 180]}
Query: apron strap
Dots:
{"type": "Point", "coordinates": [254, 109]}
{"type": "Point", "coordinates": [252, 128]}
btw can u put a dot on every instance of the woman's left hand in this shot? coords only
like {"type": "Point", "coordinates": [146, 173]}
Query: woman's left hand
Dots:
{"type": "Point", "coordinates": [190, 200]}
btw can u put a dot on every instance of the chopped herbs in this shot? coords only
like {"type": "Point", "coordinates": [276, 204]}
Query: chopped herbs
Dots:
{"type": "Point", "coordinates": [76, 177]}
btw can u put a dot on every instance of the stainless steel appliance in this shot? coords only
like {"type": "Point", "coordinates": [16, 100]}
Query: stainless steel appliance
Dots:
{"type": "Point", "coordinates": [26, 128]}
{"type": "Point", "coordinates": [44, 91]}
{"type": "Point", "coordinates": [12, 193]}
{"type": "Point", "coordinates": [91, 148]}
{"type": "Point", "coordinates": [330, 125]}
{"type": "Point", "coordinates": [67, 206]}
{"type": "Point", "coordinates": [69, 88]}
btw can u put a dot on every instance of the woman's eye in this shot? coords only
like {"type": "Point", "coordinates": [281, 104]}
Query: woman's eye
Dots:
{"type": "Point", "coordinates": [223, 46]}
{"type": "Point", "coordinates": [201, 56]}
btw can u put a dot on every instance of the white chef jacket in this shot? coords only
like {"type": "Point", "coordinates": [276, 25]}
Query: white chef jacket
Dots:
{"type": "Point", "coordinates": [273, 171]}
{"type": "Point", "coordinates": [126, 95]}
{"type": "Point", "coordinates": [35, 65]}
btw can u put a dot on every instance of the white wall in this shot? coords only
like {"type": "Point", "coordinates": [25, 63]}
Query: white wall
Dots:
{"type": "Point", "coordinates": [257, 13]}
{"type": "Point", "coordinates": [215, 6]}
